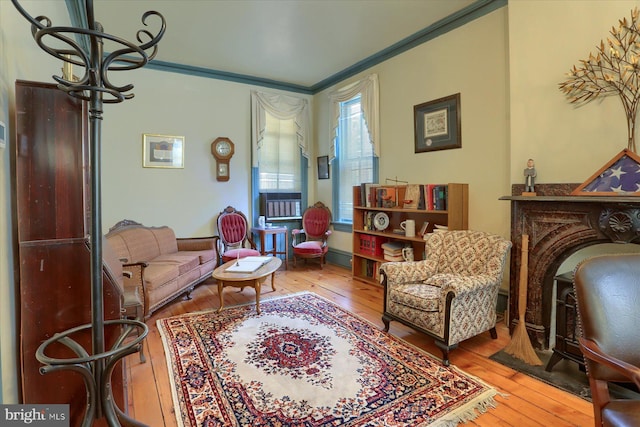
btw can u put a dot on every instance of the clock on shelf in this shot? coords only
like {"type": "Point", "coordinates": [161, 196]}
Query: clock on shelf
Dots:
{"type": "Point", "coordinates": [222, 149]}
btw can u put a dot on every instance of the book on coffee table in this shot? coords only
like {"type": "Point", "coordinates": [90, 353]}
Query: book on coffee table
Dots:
{"type": "Point", "coordinates": [248, 264]}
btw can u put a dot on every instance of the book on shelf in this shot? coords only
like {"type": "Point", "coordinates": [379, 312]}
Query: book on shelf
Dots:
{"type": "Point", "coordinates": [393, 257]}
{"type": "Point", "coordinates": [411, 196]}
{"type": "Point", "coordinates": [438, 227]}
{"type": "Point", "coordinates": [368, 220]}
{"type": "Point", "coordinates": [392, 247]}
{"type": "Point", "coordinates": [421, 200]}
{"type": "Point", "coordinates": [440, 193]}
{"type": "Point", "coordinates": [435, 196]}
{"type": "Point", "coordinates": [248, 264]}
{"type": "Point", "coordinates": [367, 198]}
{"type": "Point", "coordinates": [371, 269]}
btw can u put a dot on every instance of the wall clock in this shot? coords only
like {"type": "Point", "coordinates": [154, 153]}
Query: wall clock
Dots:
{"type": "Point", "coordinates": [222, 150]}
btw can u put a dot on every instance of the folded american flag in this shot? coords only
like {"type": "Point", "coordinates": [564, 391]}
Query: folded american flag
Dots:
{"type": "Point", "coordinates": [623, 176]}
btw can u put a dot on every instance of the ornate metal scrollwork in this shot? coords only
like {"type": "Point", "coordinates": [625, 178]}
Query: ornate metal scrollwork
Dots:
{"type": "Point", "coordinates": [128, 56]}
{"type": "Point", "coordinates": [620, 225]}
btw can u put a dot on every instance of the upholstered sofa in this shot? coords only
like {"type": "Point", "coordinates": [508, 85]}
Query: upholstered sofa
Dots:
{"type": "Point", "coordinates": [161, 265]}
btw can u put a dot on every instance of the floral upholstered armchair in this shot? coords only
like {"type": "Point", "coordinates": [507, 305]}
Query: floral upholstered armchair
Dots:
{"type": "Point", "coordinates": [453, 293]}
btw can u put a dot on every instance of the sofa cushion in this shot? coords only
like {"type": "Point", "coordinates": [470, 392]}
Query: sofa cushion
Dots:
{"type": "Point", "coordinates": [312, 247]}
{"type": "Point", "coordinates": [235, 253]}
{"type": "Point", "coordinates": [157, 274]}
{"type": "Point", "coordinates": [416, 295]}
{"type": "Point", "coordinates": [185, 263]}
{"type": "Point", "coordinates": [166, 239]}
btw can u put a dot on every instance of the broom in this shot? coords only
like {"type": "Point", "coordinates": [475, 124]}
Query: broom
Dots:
{"type": "Point", "coordinates": [520, 345]}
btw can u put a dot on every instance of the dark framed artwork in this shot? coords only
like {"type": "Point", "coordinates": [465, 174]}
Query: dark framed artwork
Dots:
{"type": "Point", "coordinates": [437, 124]}
{"type": "Point", "coordinates": [323, 167]}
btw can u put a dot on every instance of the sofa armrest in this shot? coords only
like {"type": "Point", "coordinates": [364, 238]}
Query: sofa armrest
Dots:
{"type": "Point", "coordinates": [405, 272]}
{"type": "Point", "coordinates": [460, 284]}
{"type": "Point", "coordinates": [133, 277]}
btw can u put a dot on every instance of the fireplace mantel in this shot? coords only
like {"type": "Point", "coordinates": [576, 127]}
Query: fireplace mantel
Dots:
{"type": "Point", "coordinates": [558, 225]}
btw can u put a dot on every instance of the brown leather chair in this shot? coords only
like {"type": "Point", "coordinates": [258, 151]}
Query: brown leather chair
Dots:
{"type": "Point", "coordinates": [607, 291]}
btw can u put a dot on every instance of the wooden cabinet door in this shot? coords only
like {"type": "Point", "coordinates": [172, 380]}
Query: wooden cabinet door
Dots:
{"type": "Point", "coordinates": [52, 212]}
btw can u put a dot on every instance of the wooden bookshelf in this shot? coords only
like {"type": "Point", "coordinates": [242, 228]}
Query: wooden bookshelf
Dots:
{"type": "Point", "coordinates": [367, 256]}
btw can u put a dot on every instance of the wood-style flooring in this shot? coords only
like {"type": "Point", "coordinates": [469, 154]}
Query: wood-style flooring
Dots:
{"type": "Point", "coordinates": [523, 401]}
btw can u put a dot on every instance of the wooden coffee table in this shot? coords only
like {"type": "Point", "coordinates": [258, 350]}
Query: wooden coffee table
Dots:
{"type": "Point", "coordinates": [243, 280]}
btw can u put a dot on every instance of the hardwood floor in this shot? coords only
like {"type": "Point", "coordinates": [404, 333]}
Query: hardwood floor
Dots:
{"type": "Point", "coordinates": [523, 401]}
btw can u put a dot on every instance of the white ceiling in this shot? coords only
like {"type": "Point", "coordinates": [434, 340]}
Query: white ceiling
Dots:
{"type": "Point", "coordinates": [295, 42]}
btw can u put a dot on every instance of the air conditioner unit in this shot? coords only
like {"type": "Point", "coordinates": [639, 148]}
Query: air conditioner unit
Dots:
{"type": "Point", "coordinates": [281, 206]}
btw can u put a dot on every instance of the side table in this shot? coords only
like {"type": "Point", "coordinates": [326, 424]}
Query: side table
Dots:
{"type": "Point", "coordinates": [274, 231]}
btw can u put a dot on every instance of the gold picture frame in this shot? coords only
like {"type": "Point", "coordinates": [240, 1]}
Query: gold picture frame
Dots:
{"type": "Point", "coordinates": [162, 151]}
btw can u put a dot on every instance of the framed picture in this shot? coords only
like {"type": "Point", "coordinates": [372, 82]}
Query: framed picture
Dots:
{"type": "Point", "coordinates": [323, 167]}
{"type": "Point", "coordinates": [162, 151]}
{"type": "Point", "coordinates": [437, 124]}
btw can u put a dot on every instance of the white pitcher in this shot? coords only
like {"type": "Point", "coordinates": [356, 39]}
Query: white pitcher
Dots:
{"type": "Point", "coordinates": [409, 227]}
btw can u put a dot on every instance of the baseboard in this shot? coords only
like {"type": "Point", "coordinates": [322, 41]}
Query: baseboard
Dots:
{"type": "Point", "coordinates": [339, 258]}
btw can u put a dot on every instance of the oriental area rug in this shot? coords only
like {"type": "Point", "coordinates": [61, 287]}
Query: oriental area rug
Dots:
{"type": "Point", "coordinates": [307, 362]}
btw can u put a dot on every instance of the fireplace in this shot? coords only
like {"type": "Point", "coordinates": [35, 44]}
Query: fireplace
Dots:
{"type": "Point", "coordinates": [558, 225]}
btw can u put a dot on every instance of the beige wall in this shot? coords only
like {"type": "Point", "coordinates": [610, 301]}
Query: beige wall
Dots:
{"type": "Point", "coordinates": [506, 65]}
{"type": "Point", "coordinates": [200, 110]}
{"type": "Point", "coordinates": [546, 39]}
{"type": "Point", "coordinates": [471, 60]}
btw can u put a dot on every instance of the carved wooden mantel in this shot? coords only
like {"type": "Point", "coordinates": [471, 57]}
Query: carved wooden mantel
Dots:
{"type": "Point", "coordinates": [558, 225]}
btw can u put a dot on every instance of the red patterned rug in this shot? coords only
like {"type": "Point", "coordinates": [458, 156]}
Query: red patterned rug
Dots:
{"type": "Point", "coordinates": [307, 362]}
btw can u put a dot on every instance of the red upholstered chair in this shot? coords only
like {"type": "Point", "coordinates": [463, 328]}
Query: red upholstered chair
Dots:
{"type": "Point", "coordinates": [234, 240]}
{"type": "Point", "coordinates": [311, 241]}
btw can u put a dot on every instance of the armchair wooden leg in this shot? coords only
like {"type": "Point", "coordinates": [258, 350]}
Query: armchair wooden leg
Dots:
{"type": "Point", "coordinates": [445, 351]}
{"type": "Point", "coordinates": [494, 333]}
{"type": "Point", "coordinates": [386, 322]}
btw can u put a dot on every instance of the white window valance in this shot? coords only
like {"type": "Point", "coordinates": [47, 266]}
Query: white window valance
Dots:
{"type": "Point", "coordinates": [282, 107]}
{"type": "Point", "coordinates": [369, 100]}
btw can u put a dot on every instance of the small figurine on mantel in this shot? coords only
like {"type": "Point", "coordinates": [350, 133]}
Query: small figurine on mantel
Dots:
{"type": "Point", "coordinates": [529, 179]}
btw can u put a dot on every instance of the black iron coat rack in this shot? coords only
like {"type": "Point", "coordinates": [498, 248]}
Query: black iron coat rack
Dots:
{"type": "Point", "coordinates": [84, 47]}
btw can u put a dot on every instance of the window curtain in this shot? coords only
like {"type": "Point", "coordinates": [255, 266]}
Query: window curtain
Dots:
{"type": "Point", "coordinates": [369, 99]}
{"type": "Point", "coordinates": [282, 107]}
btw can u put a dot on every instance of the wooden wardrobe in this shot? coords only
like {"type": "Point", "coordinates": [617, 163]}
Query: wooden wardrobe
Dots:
{"type": "Point", "coordinates": [52, 218]}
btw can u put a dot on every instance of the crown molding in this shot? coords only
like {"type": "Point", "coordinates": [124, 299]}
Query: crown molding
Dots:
{"type": "Point", "coordinates": [474, 11]}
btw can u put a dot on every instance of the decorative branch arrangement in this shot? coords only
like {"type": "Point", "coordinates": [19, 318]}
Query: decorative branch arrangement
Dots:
{"type": "Point", "coordinates": [614, 70]}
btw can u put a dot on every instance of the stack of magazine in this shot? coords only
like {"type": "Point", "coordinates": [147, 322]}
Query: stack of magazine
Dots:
{"type": "Point", "coordinates": [248, 264]}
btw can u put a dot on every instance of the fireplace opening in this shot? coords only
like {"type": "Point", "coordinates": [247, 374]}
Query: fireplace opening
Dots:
{"type": "Point", "coordinates": [563, 320]}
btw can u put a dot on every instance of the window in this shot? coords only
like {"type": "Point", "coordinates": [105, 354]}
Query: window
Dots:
{"type": "Point", "coordinates": [279, 158]}
{"type": "Point", "coordinates": [355, 161]}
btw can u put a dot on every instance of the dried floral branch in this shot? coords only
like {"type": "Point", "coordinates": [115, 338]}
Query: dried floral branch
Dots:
{"type": "Point", "coordinates": [615, 69]}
